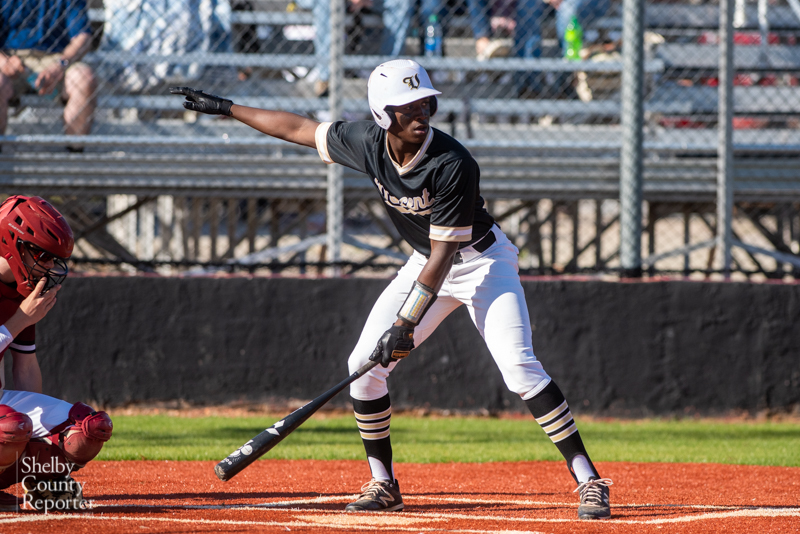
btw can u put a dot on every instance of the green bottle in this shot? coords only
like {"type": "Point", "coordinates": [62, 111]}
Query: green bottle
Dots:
{"type": "Point", "coordinates": [573, 38]}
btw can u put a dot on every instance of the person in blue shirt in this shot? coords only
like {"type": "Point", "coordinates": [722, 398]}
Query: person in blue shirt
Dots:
{"type": "Point", "coordinates": [163, 28]}
{"type": "Point", "coordinates": [42, 42]}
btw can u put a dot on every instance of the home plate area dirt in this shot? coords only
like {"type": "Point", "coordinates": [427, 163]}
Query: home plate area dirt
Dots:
{"type": "Point", "coordinates": [530, 497]}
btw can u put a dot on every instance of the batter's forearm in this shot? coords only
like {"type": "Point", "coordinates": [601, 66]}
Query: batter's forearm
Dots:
{"type": "Point", "coordinates": [433, 274]}
{"type": "Point", "coordinates": [281, 124]}
{"type": "Point", "coordinates": [435, 271]}
{"type": "Point", "coordinates": [439, 264]}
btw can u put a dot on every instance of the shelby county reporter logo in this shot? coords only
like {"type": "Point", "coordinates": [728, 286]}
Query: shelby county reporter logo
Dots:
{"type": "Point", "coordinates": [48, 486]}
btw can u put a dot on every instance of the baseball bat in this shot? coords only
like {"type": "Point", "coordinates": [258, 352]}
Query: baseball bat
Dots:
{"type": "Point", "coordinates": [266, 440]}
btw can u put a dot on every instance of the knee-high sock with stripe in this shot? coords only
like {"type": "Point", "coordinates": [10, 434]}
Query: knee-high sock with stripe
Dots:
{"type": "Point", "coordinates": [551, 411]}
{"type": "Point", "coordinates": [373, 419]}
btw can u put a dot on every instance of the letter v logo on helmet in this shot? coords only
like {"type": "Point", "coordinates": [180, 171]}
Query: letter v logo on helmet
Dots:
{"type": "Point", "coordinates": [412, 82]}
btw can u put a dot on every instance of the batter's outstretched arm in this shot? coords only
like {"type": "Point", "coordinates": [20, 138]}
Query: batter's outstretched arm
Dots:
{"type": "Point", "coordinates": [281, 124]}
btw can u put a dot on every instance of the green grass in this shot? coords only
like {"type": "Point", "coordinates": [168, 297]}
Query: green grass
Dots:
{"type": "Point", "coordinates": [460, 439]}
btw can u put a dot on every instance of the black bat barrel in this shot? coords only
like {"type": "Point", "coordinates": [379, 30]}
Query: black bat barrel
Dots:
{"type": "Point", "coordinates": [262, 443]}
{"type": "Point", "coordinates": [266, 440]}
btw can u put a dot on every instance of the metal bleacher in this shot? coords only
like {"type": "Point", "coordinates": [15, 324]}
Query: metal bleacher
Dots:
{"type": "Point", "coordinates": [459, 106]}
{"type": "Point", "coordinates": [573, 156]}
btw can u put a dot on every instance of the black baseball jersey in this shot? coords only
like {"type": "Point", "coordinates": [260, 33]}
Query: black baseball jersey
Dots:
{"type": "Point", "coordinates": [436, 196]}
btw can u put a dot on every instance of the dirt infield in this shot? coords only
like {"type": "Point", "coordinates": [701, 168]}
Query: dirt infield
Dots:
{"type": "Point", "coordinates": [527, 497]}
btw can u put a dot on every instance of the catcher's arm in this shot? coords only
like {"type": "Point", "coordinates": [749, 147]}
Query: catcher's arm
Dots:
{"type": "Point", "coordinates": [281, 124]}
{"type": "Point", "coordinates": [31, 310]}
{"type": "Point", "coordinates": [26, 372]}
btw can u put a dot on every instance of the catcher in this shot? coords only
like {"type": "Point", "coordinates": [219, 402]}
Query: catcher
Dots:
{"type": "Point", "coordinates": [43, 440]}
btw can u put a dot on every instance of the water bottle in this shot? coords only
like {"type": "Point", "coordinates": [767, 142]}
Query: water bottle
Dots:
{"type": "Point", "coordinates": [31, 77]}
{"type": "Point", "coordinates": [433, 37]}
{"type": "Point", "coordinates": [573, 38]}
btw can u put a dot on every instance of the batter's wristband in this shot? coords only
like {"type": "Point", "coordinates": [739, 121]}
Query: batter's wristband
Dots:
{"type": "Point", "coordinates": [225, 106]}
{"type": "Point", "coordinates": [418, 301]}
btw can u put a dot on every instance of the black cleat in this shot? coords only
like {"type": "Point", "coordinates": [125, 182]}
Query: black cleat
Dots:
{"type": "Point", "coordinates": [594, 499]}
{"type": "Point", "coordinates": [378, 496]}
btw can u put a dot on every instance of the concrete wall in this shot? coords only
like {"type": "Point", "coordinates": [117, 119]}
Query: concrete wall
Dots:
{"type": "Point", "coordinates": [614, 348]}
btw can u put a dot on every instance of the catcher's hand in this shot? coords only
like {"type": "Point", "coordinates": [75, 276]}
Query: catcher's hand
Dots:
{"type": "Point", "coordinates": [395, 344]}
{"type": "Point", "coordinates": [203, 102]}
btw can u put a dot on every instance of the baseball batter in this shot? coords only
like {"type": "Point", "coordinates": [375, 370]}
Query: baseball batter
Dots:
{"type": "Point", "coordinates": [43, 440]}
{"type": "Point", "coordinates": [429, 184]}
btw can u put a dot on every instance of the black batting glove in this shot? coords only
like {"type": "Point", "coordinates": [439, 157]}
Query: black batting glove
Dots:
{"type": "Point", "coordinates": [395, 344]}
{"type": "Point", "coordinates": [203, 102]}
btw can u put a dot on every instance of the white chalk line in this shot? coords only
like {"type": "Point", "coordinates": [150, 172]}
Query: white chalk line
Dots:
{"type": "Point", "coordinates": [231, 522]}
{"type": "Point", "coordinates": [714, 512]}
{"type": "Point", "coordinates": [748, 512]}
{"type": "Point", "coordinates": [522, 502]}
{"type": "Point", "coordinates": [292, 504]}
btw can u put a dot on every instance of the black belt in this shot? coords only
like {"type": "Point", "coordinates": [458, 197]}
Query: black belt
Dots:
{"type": "Point", "coordinates": [480, 245]}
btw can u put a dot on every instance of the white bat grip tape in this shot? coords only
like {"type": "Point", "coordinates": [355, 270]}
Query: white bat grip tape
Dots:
{"type": "Point", "coordinates": [417, 302]}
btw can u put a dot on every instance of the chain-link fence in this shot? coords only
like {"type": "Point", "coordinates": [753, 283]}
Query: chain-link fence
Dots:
{"type": "Point", "coordinates": [536, 90]}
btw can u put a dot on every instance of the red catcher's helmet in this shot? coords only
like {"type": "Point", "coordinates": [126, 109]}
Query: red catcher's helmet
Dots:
{"type": "Point", "coordinates": [33, 223]}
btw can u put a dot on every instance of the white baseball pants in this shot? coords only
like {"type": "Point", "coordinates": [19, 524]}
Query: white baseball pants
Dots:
{"type": "Point", "coordinates": [45, 412]}
{"type": "Point", "coordinates": [488, 284]}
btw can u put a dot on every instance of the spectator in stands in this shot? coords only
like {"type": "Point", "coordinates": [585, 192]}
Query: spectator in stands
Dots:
{"type": "Point", "coordinates": [532, 11]}
{"type": "Point", "coordinates": [527, 31]}
{"type": "Point", "coordinates": [321, 9]}
{"type": "Point", "coordinates": [493, 23]}
{"type": "Point", "coordinates": [397, 16]}
{"type": "Point", "coordinates": [163, 28]}
{"type": "Point", "coordinates": [43, 42]}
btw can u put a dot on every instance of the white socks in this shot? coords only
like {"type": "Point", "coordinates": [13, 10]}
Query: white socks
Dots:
{"type": "Point", "coordinates": [379, 470]}
{"type": "Point", "coordinates": [582, 468]}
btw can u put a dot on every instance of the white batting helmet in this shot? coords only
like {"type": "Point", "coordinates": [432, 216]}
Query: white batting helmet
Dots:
{"type": "Point", "coordinates": [396, 83]}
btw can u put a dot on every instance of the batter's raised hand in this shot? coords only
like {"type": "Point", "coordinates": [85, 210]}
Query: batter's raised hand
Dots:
{"type": "Point", "coordinates": [395, 344]}
{"type": "Point", "coordinates": [203, 102]}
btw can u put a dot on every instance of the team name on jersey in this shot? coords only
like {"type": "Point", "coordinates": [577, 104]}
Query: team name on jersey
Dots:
{"type": "Point", "coordinates": [420, 205]}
